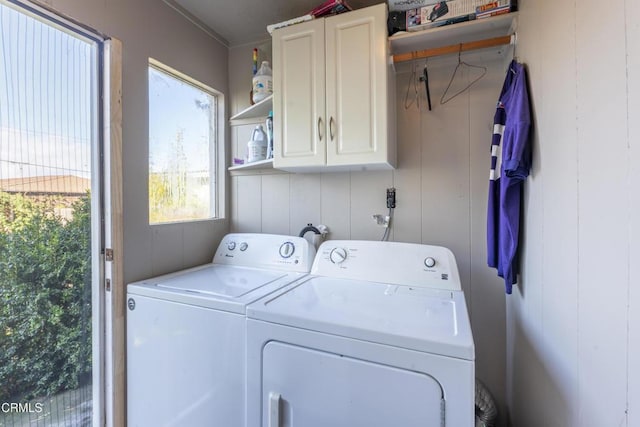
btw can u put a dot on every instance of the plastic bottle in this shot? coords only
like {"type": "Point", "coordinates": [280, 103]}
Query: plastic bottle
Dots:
{"type": "Point", "coordinates": [269, 126]}
{"type": "Point", "coordinates": [257, 146]}
{"type": "Point", "coordinates": [262, 82]}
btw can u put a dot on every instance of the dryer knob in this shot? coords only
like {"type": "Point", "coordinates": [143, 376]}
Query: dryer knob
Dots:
{"type": "Point", "coordinates": [429, 262]}
{"type": "Point", "coordinates": [287, 249]}
{"type": "Point", "coordinates": [338, 255]}
{"type": "Point", "coordinates": [243, 246]}
{"type": "Point", "coordinates": [231, 245]}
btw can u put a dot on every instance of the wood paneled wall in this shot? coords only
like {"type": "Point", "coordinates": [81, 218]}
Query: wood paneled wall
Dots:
{"type": "Point", "coordinates": [573, 325]}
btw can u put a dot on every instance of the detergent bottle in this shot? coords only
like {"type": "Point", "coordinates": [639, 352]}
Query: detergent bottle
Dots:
{"type": "Point", "coordinates": [262, 82]}
{"type": "Point", "coordinates": [257, 146]}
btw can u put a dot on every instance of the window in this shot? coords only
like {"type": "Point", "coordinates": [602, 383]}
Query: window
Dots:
{"type": "Point", "coordinates": [183, 146]}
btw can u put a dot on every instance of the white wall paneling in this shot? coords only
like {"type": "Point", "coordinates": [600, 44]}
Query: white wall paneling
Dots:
{"type": "Point", "coordinates": [274, 195]}
{"type": "Point", "coordinates": [335, 204]}
{"type": "Point", "coordinates": [305, 201]}
{"type": "Point", "coordinates": [407, 223]}
{"type": "Point", "coordinates": [632, 11]}
{"type": "Point", "coordinates": [572, 329]}
{"type": "Point", "coordinates": [249, 204]}
{"type": "Point", "coordinates": [602, 371]}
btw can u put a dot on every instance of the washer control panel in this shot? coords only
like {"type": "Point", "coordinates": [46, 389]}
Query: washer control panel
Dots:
{"type": "Point", "coordinates": [388, 262]}
{"type": "Point", "coordinates": [266, 251]}
{"type": "Point", "coordinates": [338, 255]}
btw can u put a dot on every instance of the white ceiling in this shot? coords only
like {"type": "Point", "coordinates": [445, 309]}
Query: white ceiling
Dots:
{"type": "Point", "coordinates": [237, 22]}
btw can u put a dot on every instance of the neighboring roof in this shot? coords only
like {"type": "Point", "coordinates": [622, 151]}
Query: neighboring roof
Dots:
{"type": "Point", "coordinates": [50, 184]}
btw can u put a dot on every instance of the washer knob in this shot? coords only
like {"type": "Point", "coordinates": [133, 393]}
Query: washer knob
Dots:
{"type": "Point", "coordinates": [231, 245]}
{"type": "Point", "coordinates": [338, 255]}
{"type": "Point", "coordinates": [429, 262]}
{"type": "Point", "coordinates": [243, 246]}
{"type": "Point", "coordinates": [287, 249]}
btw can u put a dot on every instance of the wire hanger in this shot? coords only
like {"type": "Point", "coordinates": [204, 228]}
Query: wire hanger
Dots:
{"type": "Point", "coordinates": [453, 76]}
{"type": "Point", "coordinates": [412, 81]}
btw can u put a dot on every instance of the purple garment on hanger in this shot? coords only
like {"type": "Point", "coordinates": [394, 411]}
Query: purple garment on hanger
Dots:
{"type": "Point", "coordinates": [510, 164]}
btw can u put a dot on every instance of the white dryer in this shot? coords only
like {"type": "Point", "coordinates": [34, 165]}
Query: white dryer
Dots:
{"type": "Point", "coordinates": [377, 336]}
{"type": "Point", "coordinates": [186, 331]}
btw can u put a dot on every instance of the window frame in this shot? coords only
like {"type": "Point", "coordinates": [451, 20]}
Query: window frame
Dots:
{"type": "Point", "coordinates": [217, 152]}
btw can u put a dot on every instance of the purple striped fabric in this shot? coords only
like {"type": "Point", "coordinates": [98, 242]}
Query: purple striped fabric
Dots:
{"type": "Point", "coordinates": [510, 164]}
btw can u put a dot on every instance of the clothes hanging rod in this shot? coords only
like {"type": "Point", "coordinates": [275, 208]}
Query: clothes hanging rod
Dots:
{"type": "Point", "coordinates": [454, 48]}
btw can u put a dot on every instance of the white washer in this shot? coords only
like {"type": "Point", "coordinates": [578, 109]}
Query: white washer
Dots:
{"type": "Point", "coordinates": [377, 336]}
{"type": "Point", "coordinates": [186, 331]}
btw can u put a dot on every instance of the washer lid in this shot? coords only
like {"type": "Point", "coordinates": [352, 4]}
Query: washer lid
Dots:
{"type": "Point", "coordinates": [220, 280]}
{"type": "Point", "coordinates": [429, 320]}
{"type": "Point", "coordinates": [222, 287]}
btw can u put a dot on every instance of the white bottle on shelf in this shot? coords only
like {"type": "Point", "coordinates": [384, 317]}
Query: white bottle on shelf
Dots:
{"type": "Point", "coordinates": [262, 82]}
{"type": "Point", "coordinates": [257, 146]}
{"type": "Point", "coordinates": [269, 126]}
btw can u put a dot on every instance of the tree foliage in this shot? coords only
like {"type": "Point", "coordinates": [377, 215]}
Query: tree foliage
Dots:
{"type": "Point", "coordinates": [45, 297]}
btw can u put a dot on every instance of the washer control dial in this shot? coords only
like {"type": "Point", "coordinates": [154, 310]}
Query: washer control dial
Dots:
{"type": "Point", "coordinates": [429, 262]}
{"type": "Point", "coordinates": [287, 249]}
{"type": "Point", "coordinates": [231, 245]}
{"type": "Point", "coordinates": [243, 246]}
{"type": "Point", "coordinates": [338, 255]}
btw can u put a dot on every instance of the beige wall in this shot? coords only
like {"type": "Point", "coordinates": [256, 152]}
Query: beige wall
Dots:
{"type": "Point", "coordinates": [149, 28]}
{"type": "Point", "coordinates": [441, 182]}
{"type": "Point", "coordinates": [574, 324]}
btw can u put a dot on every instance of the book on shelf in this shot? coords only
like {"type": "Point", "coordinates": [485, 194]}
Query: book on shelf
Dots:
{"type": "Point", "coordinates": [398, 5]}
{"type": "Point", "coordinates": [494, 5]}
{"type": "Point", "coordinates": [493, 12]}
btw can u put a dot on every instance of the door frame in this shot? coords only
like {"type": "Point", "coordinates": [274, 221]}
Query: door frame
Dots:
{"type": "Point", "coordinates": [113, 285]}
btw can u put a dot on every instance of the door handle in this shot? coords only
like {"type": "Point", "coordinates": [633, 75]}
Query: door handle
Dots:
{"type": "Point", "coordinates": [320, 128]}
{"type": "Point", "coordinates": [331, 124]}
{"type": "Point", "coordinates": [274, 409]}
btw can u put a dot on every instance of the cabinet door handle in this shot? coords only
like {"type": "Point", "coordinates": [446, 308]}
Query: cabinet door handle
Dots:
{"type": "Point", "coordinates": [331, 124]}
{"type": "Point", "coordinates": [320, 128]}
{"type": "Point", "coordinates": [274, 409]}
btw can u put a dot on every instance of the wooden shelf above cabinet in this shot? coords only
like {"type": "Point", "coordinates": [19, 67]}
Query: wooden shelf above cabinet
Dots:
{"type": "Point", "coordinates": [455, 34]}
{"type": "Point", "coordinates": [253, 113]}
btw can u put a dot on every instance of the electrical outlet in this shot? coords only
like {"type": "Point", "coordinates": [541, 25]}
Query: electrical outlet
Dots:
{"type": "Point", "coordinates": [391, 198]}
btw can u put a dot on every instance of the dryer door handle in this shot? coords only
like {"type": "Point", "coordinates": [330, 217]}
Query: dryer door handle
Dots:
{"type": "Point", "coordinates": [274, 409]}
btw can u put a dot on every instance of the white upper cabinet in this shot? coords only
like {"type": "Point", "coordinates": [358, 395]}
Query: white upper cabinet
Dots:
{"type": "Point", "coordinates": [334, 105]}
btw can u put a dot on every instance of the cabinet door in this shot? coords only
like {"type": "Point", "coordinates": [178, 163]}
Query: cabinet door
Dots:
{"type": "Point", "coordinates": [302, 387]}
{"type": "Point", "coordinates": [299, 95]}
{"type": "Point", "coordinates": [357, 98]}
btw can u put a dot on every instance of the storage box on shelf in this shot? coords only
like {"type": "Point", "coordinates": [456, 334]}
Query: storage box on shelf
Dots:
{"type": "Point", "coordinates": [463, 32]}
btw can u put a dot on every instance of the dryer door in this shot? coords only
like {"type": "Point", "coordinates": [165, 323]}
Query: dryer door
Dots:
{"type": "Point", "coordinates": [310, 388]}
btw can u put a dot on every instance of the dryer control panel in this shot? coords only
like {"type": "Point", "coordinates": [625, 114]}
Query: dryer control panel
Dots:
{"type": "Point", "coordinates": [409, 264]}
{"type": "Point", "coordinates": [272, 251]}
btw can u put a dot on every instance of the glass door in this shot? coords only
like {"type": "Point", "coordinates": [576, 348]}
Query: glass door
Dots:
{"type": "Point", "coordinates": [50, 237]}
